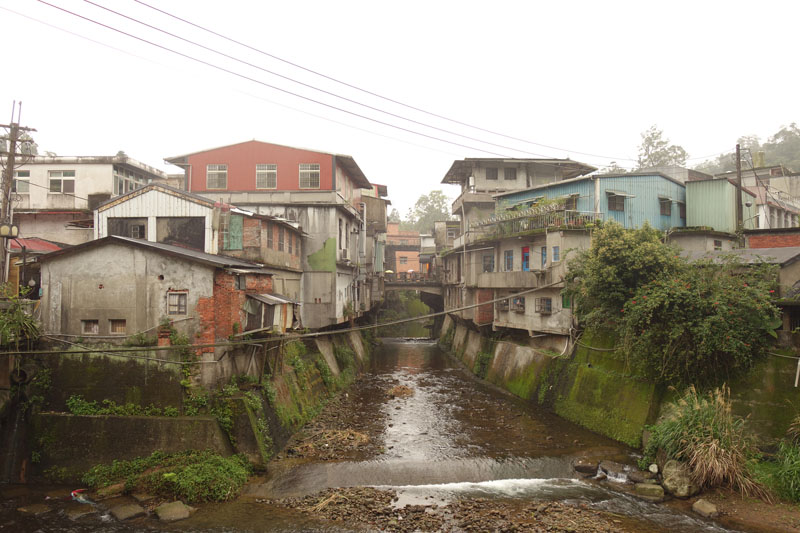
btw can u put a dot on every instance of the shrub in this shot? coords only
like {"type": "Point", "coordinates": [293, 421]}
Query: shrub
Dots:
{"type": "Point", "coordinates": [345, 356]}
{"type": "Point", "coordinates": [786, 477]}
{"type": "Point", "coordinates": [77, 405]}
{"type": "Point", "coordinates": [16, 324]}
{"type": "Point", "coordinates": [701, 431]}
{"type": "Point", "coordinates": [482, 362]}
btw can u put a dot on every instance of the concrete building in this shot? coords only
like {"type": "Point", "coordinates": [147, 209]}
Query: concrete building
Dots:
{"type": "Point", "coordinates": [159, 213]}
{"type": "Point", "coordinates": [777, 191]}
{"type": "Point", "coordinates": [402, 251]}
{"type": "Point", "coordinates": [481, 178]}
{"type": "Point", "coordinates": [116, 286]}
{"type": "Point", "coordinates": [53, 197]}
{"type": "Point", "coordinates": [318, 190]}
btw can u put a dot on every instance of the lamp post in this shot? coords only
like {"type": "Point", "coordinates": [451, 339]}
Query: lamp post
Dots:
{"type": "Point", "coordinates": [7, 231]}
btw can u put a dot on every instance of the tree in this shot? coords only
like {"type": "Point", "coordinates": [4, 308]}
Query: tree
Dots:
{"type": "Point", "coordinates": [782, 148]}
{"type": "Point", "coordinates": [613, 168]}
{"type": "Point", "coordinates": [619, 261]}
{"type": "Point", "coordinates": [428, 209]}
{"type": "Point", "coordinates": [656, 151]}
{"type": "Point", "coordinates": [727, 162]}
{"type": "Point", "coordinates": [394, 216]}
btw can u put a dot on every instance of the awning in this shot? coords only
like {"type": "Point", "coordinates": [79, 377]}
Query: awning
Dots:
{"type": "Point", "coordinates": [620, 193]}
{"type": "Point", "coordinates": [272, 299]}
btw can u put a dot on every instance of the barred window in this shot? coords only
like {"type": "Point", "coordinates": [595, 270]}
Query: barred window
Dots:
{"type": "Point", "coordinates": [510, 173]}
{"type": "Point", "coordinates": [217, 177]}
{"type": "Point", "coordinates": [491, 173]}
{"type": "Point", "coordinates": [309, 175]}
{"type": "Point", "coordinates": [266, 176]}
{"type": "Point", "coordinates": [116, 326]}
{"type": "Point", "coordinates": [90, 327]}
{"type": "Point", "coordinates": [176, 303]}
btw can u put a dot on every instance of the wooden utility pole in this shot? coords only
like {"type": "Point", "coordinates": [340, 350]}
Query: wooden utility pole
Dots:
{"type": "Point", "coordinates": [739, 210]}
{"type": "Point", "coordinates": [11, 140]}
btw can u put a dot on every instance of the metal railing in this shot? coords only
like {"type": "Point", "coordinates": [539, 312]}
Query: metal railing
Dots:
{"type": "Point", "coordinates": [522, 221]}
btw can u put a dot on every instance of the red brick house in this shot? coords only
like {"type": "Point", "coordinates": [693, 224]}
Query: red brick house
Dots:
{"type": "Point", "coordinates": [319, 191]}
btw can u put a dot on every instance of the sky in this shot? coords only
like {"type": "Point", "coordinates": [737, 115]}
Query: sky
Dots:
{"type": "Point", "coordinates": [425, 83]}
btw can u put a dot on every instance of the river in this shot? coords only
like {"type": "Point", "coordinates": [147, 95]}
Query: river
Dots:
{"type": "Point", "coordinates": [454, 438]}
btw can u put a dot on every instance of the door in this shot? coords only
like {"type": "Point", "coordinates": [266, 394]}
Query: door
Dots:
{"type": "Point", "coordinates": [526, 256]}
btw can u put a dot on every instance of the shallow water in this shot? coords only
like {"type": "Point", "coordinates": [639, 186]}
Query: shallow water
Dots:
{"type": "Point", "coordinates": [454, 438]}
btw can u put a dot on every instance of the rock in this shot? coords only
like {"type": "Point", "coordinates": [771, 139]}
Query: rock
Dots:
{"type": "Point", "coordinates": [142, 497]}
{"type": "Point", "coordinates": [677, 481]}
{"type": "Point", "coordinates": [170, 512]}
{"type": "Point", "coordinates": [649, 491]}
{"type": "Point", "coordinates": [705, 508]}
{"type": "Point", "coordinates": [127, 511]}
{"type": "Point", "coordinates": [641, 476]}
{"type": "Point", "coordinates": [111, 491]}
{"type": "Point", "coordinates": [653, 468]}
{"type": "Point", "coordinates": [35, 509]}
{"type": "Point", "coordinates": [77, 511]}
{"type": "Point", "coordinates": [585, 466]}
{"type": "Point", "coordinates": [613, 469]}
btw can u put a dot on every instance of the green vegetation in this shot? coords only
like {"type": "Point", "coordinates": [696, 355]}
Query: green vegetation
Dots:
{"type": "Point", "coordinates": [701, 431]}
{"type": "Point", "coordinates": [17, 327]}
{"type": "Point", "coordinates": [141, 339]}
{"type": "Point", "coordinates": [680, 322]}
{"type": "Point", "coordinates": [77, 405]}
{"type": "Point", "coordinates": [482, 363]}
{"type": "Point", "coordinates": [399, 305]}
{"type": "Point", "coordinates": [191, 476]}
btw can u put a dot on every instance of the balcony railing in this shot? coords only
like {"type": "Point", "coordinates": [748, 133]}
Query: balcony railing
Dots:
{"type": "Point", "coordinates": [517, 222]}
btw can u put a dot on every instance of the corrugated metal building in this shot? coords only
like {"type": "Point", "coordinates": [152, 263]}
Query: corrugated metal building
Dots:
{"type": "Point", "coordinates": [630, 199]}
{"type": "Point", "coordinates": [712, 203]}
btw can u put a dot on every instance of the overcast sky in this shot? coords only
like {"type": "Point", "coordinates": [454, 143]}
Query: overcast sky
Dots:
{"type": "Point", "coordinates": [578, 78]}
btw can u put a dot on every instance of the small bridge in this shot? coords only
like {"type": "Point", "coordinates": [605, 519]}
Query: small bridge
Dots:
{"type": "Point", "coordinates": [425, 286]}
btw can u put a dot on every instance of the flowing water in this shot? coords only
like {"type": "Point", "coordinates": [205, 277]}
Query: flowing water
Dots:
{"type": "Point", "coordinates": [454, 438]}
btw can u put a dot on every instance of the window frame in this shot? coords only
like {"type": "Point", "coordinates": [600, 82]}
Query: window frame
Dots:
{"type": "Point", "coordinates": [308, 172]}
{"type": "Point", "coordinates": [182, 303]}
{"type": "Point", "coordinates": [614, 204]}
{"type": "Point", "coordinates": [90, 322]}
{"type": "Point", "coordinates": [488, 262]}
{"type": "Point", "coordinates": [665, 207]}
{"type": "Point", "coordinates": [113, 324]}
{"type": "Point", "coordinates": [682, 210]}
{"type": "Point", "coordinates": [543, 306]}
{"type": "Point", "coordinates": [402, 260]}
{"type": "Point", "coordinates": [508, 260]}
{"type": "Point", "coordinates": [62, 177]}
{"type": "Point", "coordinates": [270, 174]}
{"type": "Point", "coordinates": [512, 171]}
{"type": "Point", "coordinates": [217, 171]}
{"type": "Point", "coordinates": [571, 203]}
{"type": "Point", "coordinates": [556, 254]}
{"type": "Point", "coordinates": [21, 177]}
{"type": "Point", "coordinates": [491, 173]}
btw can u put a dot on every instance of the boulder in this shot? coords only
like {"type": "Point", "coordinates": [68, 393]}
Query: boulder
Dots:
{"type": "Point", "coordinates": [613, 469]}
{"type": "Point", "coordinates": [585, 466]}
{"type": "Point", "coordinates": [111, 491]}
{"type": "Point", "coordinates": [677, 480]}
{"type": "Point", "coordinates": [705, 508]}
{"type": "Point", "coordinates": [170, 512]}
{"type": "Point", "coordinates": [35, 509]}
{"type": "Point", "coordinates": [653, 468]}
{"type": "Point", "coordinates": [641, 476]}
{"type": "Point", "coordinates": [126, 511]}
{"type": "Point", "coordinates": [649, 491]}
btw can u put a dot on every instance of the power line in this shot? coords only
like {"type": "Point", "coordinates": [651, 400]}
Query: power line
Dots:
{"type": "Point", "coordinates": [265, 84]}
{"type": "Point", "coordinates": [371, 93]}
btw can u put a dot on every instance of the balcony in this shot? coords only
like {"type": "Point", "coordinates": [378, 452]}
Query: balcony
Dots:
{"type": "Point", "coordinates": [516, 223]}
{"type": "Point", "coordinates": [516, 279]}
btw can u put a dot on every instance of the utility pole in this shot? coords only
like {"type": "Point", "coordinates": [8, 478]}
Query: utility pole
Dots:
{"type": "Point", "coordinates": [11, 140]}
{"type": "Point", "coordinates": [739, 214]}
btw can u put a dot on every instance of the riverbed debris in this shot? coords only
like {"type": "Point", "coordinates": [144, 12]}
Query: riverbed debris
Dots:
{"type": "Point", "coordinates": [400, 391]}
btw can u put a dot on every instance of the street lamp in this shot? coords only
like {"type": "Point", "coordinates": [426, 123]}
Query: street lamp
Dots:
{"type": "Point", "coordinates": [8, 231]}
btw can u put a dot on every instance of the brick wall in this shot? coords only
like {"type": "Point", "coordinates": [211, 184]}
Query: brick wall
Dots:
{"type": "Point", "coordinates": [219, 313]}
{"type": "Point", "coordinates": [775, 240]}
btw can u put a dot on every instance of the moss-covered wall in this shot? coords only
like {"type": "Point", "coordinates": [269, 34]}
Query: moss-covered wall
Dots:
{"type": "Point", "coordinates": [590, 388]}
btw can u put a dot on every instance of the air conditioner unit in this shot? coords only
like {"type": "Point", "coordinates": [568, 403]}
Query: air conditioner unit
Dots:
{"type": "Point", "coordinates": [343, 254]}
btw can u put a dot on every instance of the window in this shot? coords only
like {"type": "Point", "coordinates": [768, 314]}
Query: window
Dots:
{"type": "Point", "coordinates": [682, 210]}
{"type": "Point", "coordinates": [526, 256]}
{"type": "Point", "coordinates": [217, 177]}
{"type": "Point", "coordinates": [116, 326]}
{"type": "Point", "coordinates": [510, 173]}
{"type": "Point", "coordinates": [518, 304]}
{"type": "Point", "coordinates": [616, 202]}
{"type": "Point", "coordinates": [544, 256]}
{"type": "Point", "coordinates": [290, 242]}
{"type": "Point", "coordinates": [451, 233]}
{"type": "Point", "coordinates": [21, 183]}
{"type": "Point", "coordinates": [509, 260]}
{"type": "Point", "coordinates": [717, 245]}
{"type": "Point", "coordinates": [544, 306]}
{"type": "Point", "coordinates": [666, 206]}
{"type": "Point", "coordinates": [62, 181]}
{"type": "Point", "coordinates": [491, 173]}
{"type": "Point", "coordinates": [309, 176]}
{"type": "Point", "coordinates": [488, 263]}
{"type": "Point", "coordinates": [269, 235]}
{"type": "Point", "coordinates": [502, 305]}
{"type": "Point", "coordinates": [403, 260]}
{"type": "Point", "coordinates": [571, 203]}
{"type": "Point", "coordinates": [241, 282]}
{"type": "Point", "coordinates": [556, 254]}
{"type": "Point", "coordinates": [90, 327]}
{"type": "Point", "coordinates": [341, 228]}
{"type": "Point", "coordinates": [266, 176]}
{"type": "Point", "coordinates": [138, 231]}
{"type": "Point", "coordinates": [176, 303]}
{"type": "Point", "coordinates": [280, 239]}
{"type": "Point", "coordinates": [566, 301]}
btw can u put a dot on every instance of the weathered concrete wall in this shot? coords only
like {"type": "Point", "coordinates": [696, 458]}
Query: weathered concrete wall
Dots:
{"type": "Point", "coordinates": [72, 444]}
